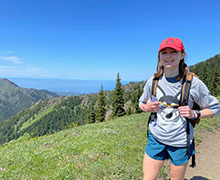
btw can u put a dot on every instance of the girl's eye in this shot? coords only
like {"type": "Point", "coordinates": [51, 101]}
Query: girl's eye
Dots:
{"type": "Point", "coordinates": [174, 52]}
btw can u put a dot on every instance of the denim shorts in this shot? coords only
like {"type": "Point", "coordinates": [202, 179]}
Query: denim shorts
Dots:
{"type": "Point", "coordinates": [177, 155]}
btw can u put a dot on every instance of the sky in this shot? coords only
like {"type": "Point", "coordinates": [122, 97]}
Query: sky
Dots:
{"type": "Point", "coordinates": [96, 39]}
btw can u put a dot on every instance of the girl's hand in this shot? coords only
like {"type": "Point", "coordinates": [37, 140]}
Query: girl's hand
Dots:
{"type": "Point", "coordinates": [151, 106]}
{"type": "Point", "coordinates": [185, 111]}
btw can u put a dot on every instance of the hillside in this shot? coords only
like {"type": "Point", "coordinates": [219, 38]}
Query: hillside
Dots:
{"type": "Point", "coordinates": [14, 99]}
{"type": "Point", "coordinates": [50, 116]}
{"type": "Point", "coordinates": [108, 150]}
{"type": "Point", "coordinates": [209, 72]}
{"type": "Point", "coordinates": [56, 114]}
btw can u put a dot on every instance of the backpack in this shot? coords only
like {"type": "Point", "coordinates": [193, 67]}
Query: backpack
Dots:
{"type": "Point", "coordinates": [187, 81]}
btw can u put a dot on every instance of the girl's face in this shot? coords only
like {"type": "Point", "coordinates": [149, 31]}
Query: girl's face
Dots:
{"type": "Point", "coordinates": [170, 58]}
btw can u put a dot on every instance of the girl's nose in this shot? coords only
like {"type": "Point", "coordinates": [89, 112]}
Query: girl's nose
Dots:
{"type": "Point", "coordinates": [168, 54]}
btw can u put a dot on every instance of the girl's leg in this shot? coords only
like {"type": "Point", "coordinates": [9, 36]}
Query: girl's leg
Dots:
{"type": "Point", "coordinates": [151, 168]}
{"type": "Point", "coordinates": [178, 172]}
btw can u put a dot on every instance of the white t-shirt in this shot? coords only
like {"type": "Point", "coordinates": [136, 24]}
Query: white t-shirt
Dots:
{"type": "Point", "coordinates": [170, 127]}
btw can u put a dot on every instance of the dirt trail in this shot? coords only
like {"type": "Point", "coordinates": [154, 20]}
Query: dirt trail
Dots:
{"type": "Point", "coordinates": [207, 159]}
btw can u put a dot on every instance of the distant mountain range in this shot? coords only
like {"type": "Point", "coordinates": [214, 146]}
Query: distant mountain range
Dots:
{"type": "Point", "coordinates": [13, 98]}
{"type": "Point", "coordinates": [59, 113]}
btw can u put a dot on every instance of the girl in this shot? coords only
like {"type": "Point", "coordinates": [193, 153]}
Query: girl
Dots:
{"type": "Point", "coordinates": [167, 137]}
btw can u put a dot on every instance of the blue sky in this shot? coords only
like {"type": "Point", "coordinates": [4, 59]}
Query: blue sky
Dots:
{"type": "Point", "coordinates": [95, 39]}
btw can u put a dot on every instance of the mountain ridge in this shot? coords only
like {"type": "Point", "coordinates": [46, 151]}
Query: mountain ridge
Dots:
{"type": "Point", "coordinates": [74, 109]}
{"type": "Point", "coordinates": [14, 99]}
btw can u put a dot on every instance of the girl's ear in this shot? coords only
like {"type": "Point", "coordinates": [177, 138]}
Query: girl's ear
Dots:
{"type": "Point", "coordinates": [183, 54]}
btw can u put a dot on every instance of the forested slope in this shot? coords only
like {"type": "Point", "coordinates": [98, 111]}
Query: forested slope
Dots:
{"type": "Point", "coordinates": [60, 113]}
{"type": "Point", "coordinates": [14, 99]}
{"type": "Point", "coordinates": [50, 116]}
{"type": "Point", "coordinates": [209, 72]}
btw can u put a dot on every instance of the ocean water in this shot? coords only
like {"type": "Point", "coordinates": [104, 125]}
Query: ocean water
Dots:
{"type": "Point", "coordinates": [68, 86]}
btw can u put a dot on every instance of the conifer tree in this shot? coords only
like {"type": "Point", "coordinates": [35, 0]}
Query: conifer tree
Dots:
{"type": "Point", "coordinates": [196, 70]}
{"type": "Point", "coordinates": [91, 113]}
{"type": "Point", "coordinates": [215, 83]}
{"type": "Point", "coordinates": [137, 97]}
{"type": "Point", "coordinates": [118, 100]}
{"type": "Point", "coordinates": [101, 110]}
{"type": "Point", "coordinates": [128, 111]}
{"type": "Point", "coordinates": [204, 75]}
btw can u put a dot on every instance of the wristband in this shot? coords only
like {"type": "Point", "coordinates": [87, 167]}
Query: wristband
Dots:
{"type": "Point", "coordinates": [194, 115]}
{"type": "Point", "coordinates": [198, 114]}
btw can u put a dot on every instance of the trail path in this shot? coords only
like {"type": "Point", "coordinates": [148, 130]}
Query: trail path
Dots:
{"type": "Point", "coordinates": [207, 159]}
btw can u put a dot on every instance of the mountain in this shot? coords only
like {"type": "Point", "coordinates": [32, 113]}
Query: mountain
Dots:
{"type": "Point", "coordinates": [67, 93]}
{"type": "Point", "coordinates": [13, 98]}
{"type": "Point", "coordinates": [209, 72]}
{"type": "Point", "coordinates": [59, 113]}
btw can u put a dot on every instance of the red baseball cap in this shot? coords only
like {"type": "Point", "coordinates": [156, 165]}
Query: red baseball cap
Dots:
{"type": "Point", "coordinates": [171, 42]}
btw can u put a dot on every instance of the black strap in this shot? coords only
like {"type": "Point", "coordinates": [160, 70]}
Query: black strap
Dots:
{"type": "Point", "coordinates": [193, 165]}
{"type": "Point", "coordinates": [152, 115]}
{"type": "Point", "coordinates": [184, 101]}
{"type": "Point", "coordinates": [187, 136]}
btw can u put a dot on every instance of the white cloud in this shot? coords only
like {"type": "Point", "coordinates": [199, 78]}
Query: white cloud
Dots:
{"type": "Point", "coordinates": [20, 71]}
{"type": "Point", "coordinates": [3, 53]}
{"type": "Point", "coordinates": [13, 59]}
{"type": "Point", "coordinates": [16, 67]}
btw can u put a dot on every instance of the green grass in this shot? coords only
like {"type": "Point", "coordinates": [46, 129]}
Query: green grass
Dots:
{"type": "Point", "coordinates": [36, 118]}
{"type": "Point", "coordinates": [108, 150]}
{"type": "Point", "coordinates": [204, 125]}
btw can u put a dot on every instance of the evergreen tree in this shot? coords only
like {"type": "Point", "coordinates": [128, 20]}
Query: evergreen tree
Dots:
{"type": "Point", "coordinates": [204, 75]}
{"type": "Point", "coordinates": [214, 88]}
{"type": "Point", "coordinates": [118, 100]}
{"type": "Point", "coordinates": [128, 111]}
{"type": "Point", "coordinates": [196, 70]}
{"type": "Point", "coordinates": [91, 114]}
{"type": "Point", "coordinates": [137, 97]}
{"type": "Point", "coordinates": [101, 110]}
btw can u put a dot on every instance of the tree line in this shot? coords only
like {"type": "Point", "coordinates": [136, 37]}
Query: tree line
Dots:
{"type": "Point", "coordinates": [93, 108]}
{"type": "Point", "coordinates": [209, 72]}
{"type": "Point", "coordinates": [48, 117]}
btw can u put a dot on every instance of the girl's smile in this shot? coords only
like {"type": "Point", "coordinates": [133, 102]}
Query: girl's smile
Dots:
{"type": "Point", "coordinates": [170, 58]}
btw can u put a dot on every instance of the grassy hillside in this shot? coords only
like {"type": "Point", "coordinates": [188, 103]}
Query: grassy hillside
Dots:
{"type": "Point", "coordinates": [57, 114]}
{"type": "Point", "coordinates": [111, 150]}
{"type": "Point", "coordinates": [108, 150]}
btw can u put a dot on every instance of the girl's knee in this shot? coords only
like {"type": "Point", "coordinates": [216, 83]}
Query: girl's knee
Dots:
{"type": "Point", "coordinates": [151, 168]}
{"type": "Point", "coordinates": [178, 172]}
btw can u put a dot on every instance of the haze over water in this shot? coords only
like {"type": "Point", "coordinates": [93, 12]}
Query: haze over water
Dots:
{"type": "Point", "coordinates": [66, 85]}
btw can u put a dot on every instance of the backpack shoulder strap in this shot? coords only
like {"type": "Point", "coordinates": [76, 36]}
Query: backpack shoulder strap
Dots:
{"type": "Point", "coordinates": [153, 92]}
{"type": "Point", "coordinates": [187, 81]}
{"type": "Point", "coordinates": [154, 86]}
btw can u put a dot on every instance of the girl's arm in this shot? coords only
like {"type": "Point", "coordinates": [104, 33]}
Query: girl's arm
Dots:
{"type": "Point", "coordinates": [185, 111]}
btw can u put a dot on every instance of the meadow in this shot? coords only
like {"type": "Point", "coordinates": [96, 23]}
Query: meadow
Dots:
{"type": "Point", "coordinates": [108, 150]}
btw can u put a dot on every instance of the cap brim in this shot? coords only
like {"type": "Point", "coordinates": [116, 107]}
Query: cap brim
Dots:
{"type": "Point", "coordinates": [170, 46]}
